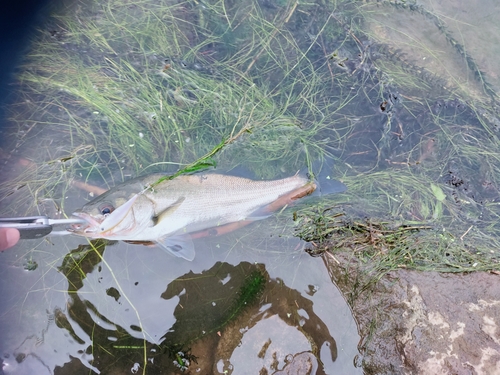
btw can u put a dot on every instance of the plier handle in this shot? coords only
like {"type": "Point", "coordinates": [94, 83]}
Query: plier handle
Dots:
{"type": "Point", "coordinates": [32, 227]}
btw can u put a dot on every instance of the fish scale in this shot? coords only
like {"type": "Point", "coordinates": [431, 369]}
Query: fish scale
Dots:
{"type": "Point", "coordinates": [184, 205]}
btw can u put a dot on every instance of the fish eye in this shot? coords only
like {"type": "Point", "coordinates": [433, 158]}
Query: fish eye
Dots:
{"type": "Point", "coordinates": [106, 209]}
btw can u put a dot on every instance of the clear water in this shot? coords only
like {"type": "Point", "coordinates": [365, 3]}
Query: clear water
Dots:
{"type": "Point", "coordinates": [76, 312]}
{"type": "Point", "coordinates": [48, 318]}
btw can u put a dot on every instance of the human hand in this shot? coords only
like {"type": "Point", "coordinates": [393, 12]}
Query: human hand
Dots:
{"type": "Point", "coordinates": [8, 237]}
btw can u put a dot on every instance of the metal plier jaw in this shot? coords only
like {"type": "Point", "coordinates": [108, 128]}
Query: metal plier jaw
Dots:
{"type": "Point", "coordinates": [33, 227]}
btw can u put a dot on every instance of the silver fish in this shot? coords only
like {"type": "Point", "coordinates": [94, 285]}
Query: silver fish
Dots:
{"type": "Point", "coordinates": [175, 211]}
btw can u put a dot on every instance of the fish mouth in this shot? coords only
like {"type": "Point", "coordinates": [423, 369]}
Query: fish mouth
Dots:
{"type": "Point", "coordinates": [87, 229]}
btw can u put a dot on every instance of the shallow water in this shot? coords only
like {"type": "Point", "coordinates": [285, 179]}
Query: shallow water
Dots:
{"type": "Point", "coordinates": [89, 314]}
{"type": "Point", "coordinates": [120, 308]}
{"type": "Point", "coordinates": [80, 313]}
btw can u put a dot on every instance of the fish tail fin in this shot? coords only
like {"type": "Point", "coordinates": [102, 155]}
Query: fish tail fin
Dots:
{"type": "Point", "coordinates": [321, 173]}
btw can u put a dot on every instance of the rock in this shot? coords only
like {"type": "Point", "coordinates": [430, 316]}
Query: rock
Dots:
{"type": "Point", "coordinates": [431, 323]}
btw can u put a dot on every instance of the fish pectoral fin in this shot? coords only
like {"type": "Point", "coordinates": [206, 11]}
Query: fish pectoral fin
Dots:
{"type": "Point", "coordinates": [168, 211]}
{"type": "Point", "coordinates": [181, 246]}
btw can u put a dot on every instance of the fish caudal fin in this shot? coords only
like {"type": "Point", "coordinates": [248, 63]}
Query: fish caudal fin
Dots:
{"type": "Point", "coordinates": [181, 246]}
{"type": "Point", "coordinates": [328, 186]}
{"type": "Point", "coordinates": [322, 172]}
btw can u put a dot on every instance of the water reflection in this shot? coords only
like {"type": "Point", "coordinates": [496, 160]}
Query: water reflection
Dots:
{"type": "Point", "coordinates": [127, 307]}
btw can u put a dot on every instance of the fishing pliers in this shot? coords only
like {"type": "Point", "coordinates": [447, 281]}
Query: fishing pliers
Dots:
{"type": "Point", "coordinates": [33, 227]}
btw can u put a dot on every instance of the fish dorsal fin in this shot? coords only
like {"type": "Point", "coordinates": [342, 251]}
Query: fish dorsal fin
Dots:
{"type": "Point", "coordinates": [169, 210]}
{"type": "Point", "coordinates": [181, 246]}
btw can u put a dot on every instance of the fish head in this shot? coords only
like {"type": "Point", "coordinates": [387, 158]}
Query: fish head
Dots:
{"type": "Point", "coordinates": [115, 215]}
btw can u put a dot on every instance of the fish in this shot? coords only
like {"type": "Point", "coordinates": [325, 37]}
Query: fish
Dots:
{"type": "Point", "coordinates": [174, 212]}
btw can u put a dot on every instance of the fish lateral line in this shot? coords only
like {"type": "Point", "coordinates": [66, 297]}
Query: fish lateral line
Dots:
{"type": "Point", "coordinates": [283, 201]}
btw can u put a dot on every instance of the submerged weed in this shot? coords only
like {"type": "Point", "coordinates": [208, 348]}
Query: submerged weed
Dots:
{"type": "Point", "coordinates": [387, 245]}
{"type": "Point", "coordinates": [117, 89]}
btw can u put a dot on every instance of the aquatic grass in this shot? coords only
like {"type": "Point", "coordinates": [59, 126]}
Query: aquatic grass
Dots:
{"type": "Point", "coordinates": [453, 66]}
{"type": "Point", "coordinates": [426, 226]}
{"type": "Point", "coordinates": [138, 87]}
{"type": "Point", "coordinates": [379, 246]}
{"type": "Point", "coordinates": [151, 95]}
{"type": "Point", "coordinates": [145, 97]}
